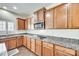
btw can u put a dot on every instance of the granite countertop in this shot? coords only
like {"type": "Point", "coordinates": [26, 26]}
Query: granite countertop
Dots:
{"type": "Point", "coordinates": [66, 42]}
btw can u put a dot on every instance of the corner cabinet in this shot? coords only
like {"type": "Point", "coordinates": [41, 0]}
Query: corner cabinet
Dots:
{"type": "Point", "coordinates": [60, 16]}
{"type": "Point", "coordinates": [19, 41]}
{"type": "Point", "coordinates": [21, 24]}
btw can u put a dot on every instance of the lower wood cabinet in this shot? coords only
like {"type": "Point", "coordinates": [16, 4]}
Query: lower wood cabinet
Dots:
{"type": "Point", "coordinates": [77, 53]}
{"type": "Point", "coordinates": [61, 51]}
{"type": "Point", "coordinates": [19, 41]}
{"type": "Point", "coordinates": [12, 43]}
{"type": "Point", "coordinates": [47, 49]}
{"type": "Point", "coordinates": [33, 45]}
{"type": "Point", "coordinates": [25, 41]}
{"type": "Point", "coordinates": [28, 42]}
{"type": "Point", "coordinates": [38, 47]}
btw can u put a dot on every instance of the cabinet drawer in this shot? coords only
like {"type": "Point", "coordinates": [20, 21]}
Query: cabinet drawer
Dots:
{"type": "Point", "coordinates": [59, 53]}
{"type": "Point", "coordinates": [66, 50]}
{"type": "Point", "coordinates": [45, 44]}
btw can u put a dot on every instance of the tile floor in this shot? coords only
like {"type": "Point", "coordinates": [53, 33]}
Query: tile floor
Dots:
{"type": "Point", "coordinates": [24, 52]}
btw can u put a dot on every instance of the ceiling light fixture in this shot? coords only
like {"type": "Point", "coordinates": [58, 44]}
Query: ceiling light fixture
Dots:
{"type": "Point", "coordinates": [4, 7]}
{"type": "Point", "coordinates": [14, 7]}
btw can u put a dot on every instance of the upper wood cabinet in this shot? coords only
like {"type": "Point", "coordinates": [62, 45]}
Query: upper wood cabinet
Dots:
{"type": "Point", "coordinates": [49, 19]}
{"type": "Point", "coordinates": [60, 16]}
{"type": "Point", "coordinates": [48, 49]}
{"type": "Point", "coordinates": [29, 23]}
{"type": "Point", "coordinates": [39, 15]}
{"type": "Point", "coordinates": [26, 24]}
{"type": "Point", "coordinates": [73, 15]}
{"type": "Point", "coordinates": [35, 16]}
{"type": "Point", "coordinates": [21, 24]}
{"type": "Point", "coordinates": [19, 41]}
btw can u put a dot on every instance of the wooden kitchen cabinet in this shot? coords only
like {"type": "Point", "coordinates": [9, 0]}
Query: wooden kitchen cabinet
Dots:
{"type": "Point", "coordinates": [38, 47]}
{"type": "Point", "coordinates": [49, 19]}
{"type": "Point", "coordinates": [21, 24]}
{"type": "Point", "coordinates": [77, 52]}
{"type": "Point", "coordinates": [73, 15]}
{"type": "Point", "coordinates": [26, 24]}
{"type": "Point", "coordinates": [29, 23]}
{"type": "Point", "coordinates": [48, 49]}
{"type": "Point", "coordinates": [29, 43]}
{"type": "Point", "coordinates": [33, 45]}
{"type": "Point", "coordinates": [60, 16]}
{"type": "Point", "coordinates": [25, 41]}
{"type": "Point", "coordinates": [61, 51]}
{"type": "Point", "coordinates": [12, 43]}
{"type": "Point", "coordinates": [41, 14]}
{"type": "Point", "coordinates": [35, 16]}
{"type": "Point", "coordinates": [19, 41]}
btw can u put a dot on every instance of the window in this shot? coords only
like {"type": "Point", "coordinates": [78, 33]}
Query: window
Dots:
{"type": "Point", "coordinates": [2, 26]}
{"type": "Point", "coordinates": [11, 26]}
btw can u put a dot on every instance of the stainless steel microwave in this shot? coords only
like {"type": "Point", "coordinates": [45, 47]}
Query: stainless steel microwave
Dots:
{"type": "Point", "coordinates": [39, 25]}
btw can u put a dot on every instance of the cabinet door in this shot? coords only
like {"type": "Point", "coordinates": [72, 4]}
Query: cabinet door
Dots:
{"type": "Point", "coordinates": [25, 41]}
{"type": "Point", "coordinates": [39, 47]}
{"type": "Point", "coordinates": [35, 17]}
{"type": "Point", "coordinates": [19, 41]}
{"type": "Point", "coordinates": [73, 13]}
{"type": "Point", "coordinates": [28, 43]}
{"type": "Point", "coordinates": [65, 50]}
{"type": "Point", "coordinates": [12, 43]}
{"type": "Point", "coordinates": [29, 23]}
{"type": "Point", "coordinates": [47, 49]}
{"type": "Point", "coordinates": [21, 24]}
{"type": "Point", "coordinates": [77, 53]}
{"type": "Point", "coordinates": [59, 53]}
{"type": "Point", "coordinates": [49, 19]}
{"type": "Point", "coordinates": [33, 45]}
{"type": "Point", "coordinates": [60, 16]}
{"type": "Point", "coordinates": [41, 15]}
{"type": "Point", "coordinates": [26, 24]}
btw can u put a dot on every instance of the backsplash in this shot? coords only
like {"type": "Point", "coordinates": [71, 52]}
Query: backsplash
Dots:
{"type": "Point", "coordinates": [66, 33]}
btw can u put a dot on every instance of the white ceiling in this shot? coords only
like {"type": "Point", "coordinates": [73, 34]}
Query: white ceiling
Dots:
{"type": "Point", "coordinates": [24, 9]}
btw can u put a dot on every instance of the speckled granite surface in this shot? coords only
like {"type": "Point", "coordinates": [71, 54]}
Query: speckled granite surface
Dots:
{"type": "Point", "coordinates": [66, 42]}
